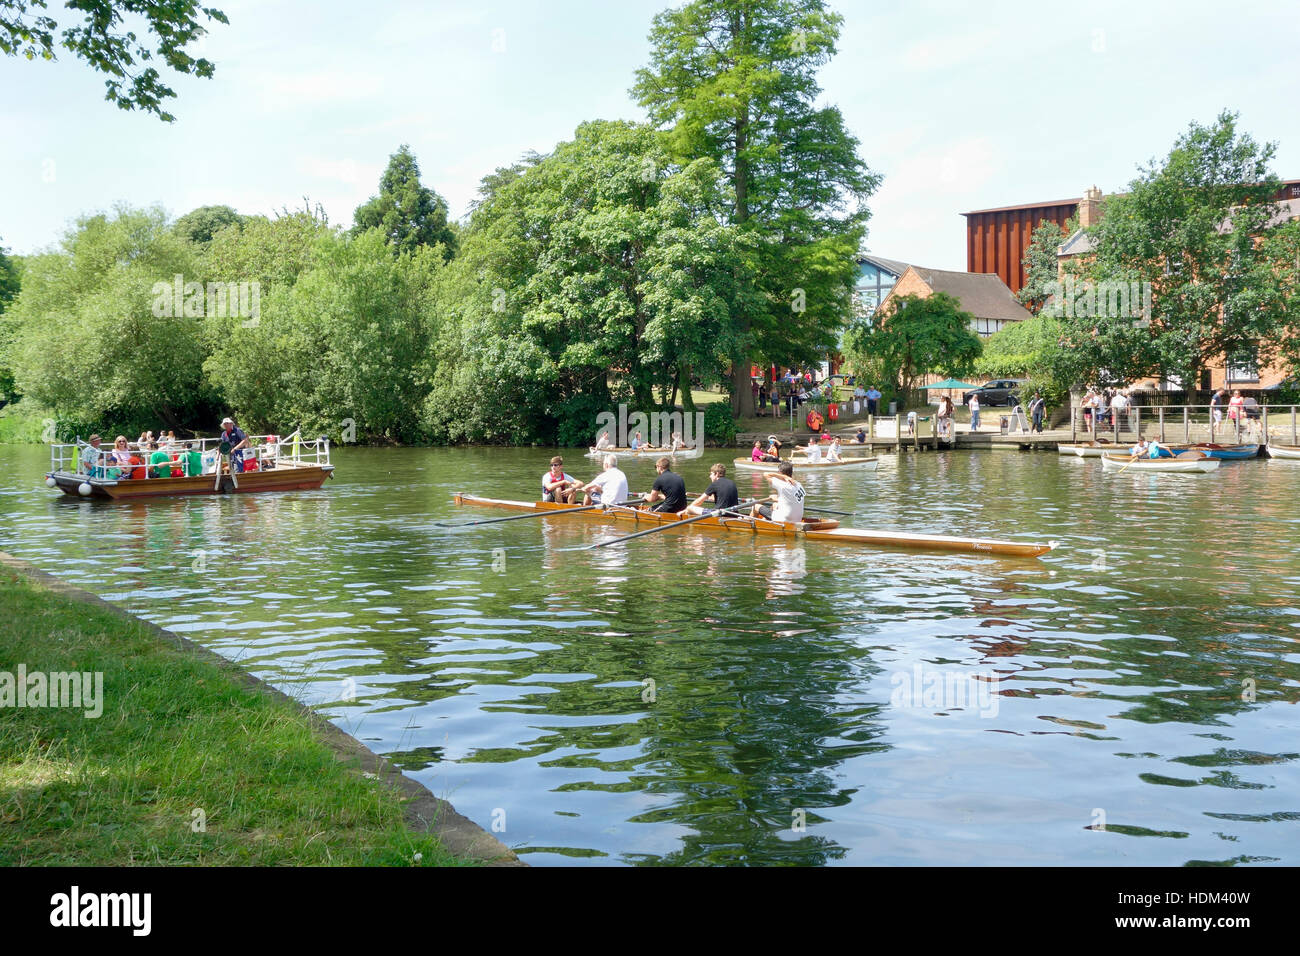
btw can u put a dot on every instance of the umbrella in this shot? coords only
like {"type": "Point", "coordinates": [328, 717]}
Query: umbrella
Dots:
{"type": "Point", "coordinates": [950, 383]}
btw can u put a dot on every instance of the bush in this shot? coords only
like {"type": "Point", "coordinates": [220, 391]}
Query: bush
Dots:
{"type": "Point", "coordinates": [719, 426]}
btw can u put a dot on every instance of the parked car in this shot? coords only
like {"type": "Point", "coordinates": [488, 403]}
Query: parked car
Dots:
{"type": "Point", "coordinates": [1003, 391]}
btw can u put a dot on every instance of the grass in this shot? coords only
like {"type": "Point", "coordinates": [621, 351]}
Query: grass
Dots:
{"type": "Point", "coordinates": [177, 735]}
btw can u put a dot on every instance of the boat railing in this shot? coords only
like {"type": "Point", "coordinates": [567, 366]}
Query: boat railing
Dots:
{"type": "Point", "coordinates": [269, 451]}
{"type": "Point", "coordinates": [1221, 423]}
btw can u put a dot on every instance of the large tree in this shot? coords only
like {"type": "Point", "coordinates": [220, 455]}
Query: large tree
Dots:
{"type": "Point", "coordinates": [103, 41]}
{"type": "Point", "coordinates": [408, 213]}
{"type": "Point", "coordinates": [201, 224]}
{"type": "Point", "coordinates": [735, 82]}
{"type": "Point", "coordinates": [1042, 265]}
{"type": "Point", "coordinates": [1194, 231]}
{"type": "Point", "coordinates": [914, 337]}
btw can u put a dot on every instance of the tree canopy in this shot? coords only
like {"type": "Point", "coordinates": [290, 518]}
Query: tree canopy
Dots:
{"type": "Point", "coordinates": [101, 41]}
{"type": "Point", "coordinates": [200, 225]}
{"type": "Point", "coordinates": [408, 213]}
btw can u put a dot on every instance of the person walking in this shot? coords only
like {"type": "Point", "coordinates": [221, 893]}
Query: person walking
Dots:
{"type": "Point", "coordinates": [974, 406]}
{"type": "Point", "coordinates": [1216, 406]}
{"type": "Point", "coordinates": [1036, 408]}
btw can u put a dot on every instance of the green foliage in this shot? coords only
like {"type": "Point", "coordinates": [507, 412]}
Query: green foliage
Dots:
{"type": "Point", "coordinates": [1215, 291]}
{"type": "Point", "coordinates": [108, 43]}
{"type": "Point", "coordinates": [917, 336]}
{"type": "Point", "coordinates": [1041, 263]}
{"type": "Point", "coordinates": [408, 213]}
{"type": "Point", "coordinates": [719, 425]}
{"type": "Point", "coordinates": [200, 225]}
{"type": "Point", "coordinates": [735, 83]}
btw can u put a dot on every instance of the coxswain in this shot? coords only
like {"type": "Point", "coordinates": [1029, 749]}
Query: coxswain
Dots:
{"type": "Point", "coordinates": [722, 492]}
{"type": "Point", "coordinates": [787, 497]}
{"type": "Point", "coordinates": [556, 485]}
{"type": "Point", "coordinates": [668, 493]}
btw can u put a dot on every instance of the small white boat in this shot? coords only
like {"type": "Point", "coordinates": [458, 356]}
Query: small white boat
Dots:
{"type": "Point", "coordinates": [1087, 449]}
{"type": "Point", "coordinates": [803, 466]}
{"type": "Point", "coordinates": [1193, 463]}
{"type": "Point", "coordinates": [651, 453]}
{"type": "Point", "coordinates": [1289, 452]}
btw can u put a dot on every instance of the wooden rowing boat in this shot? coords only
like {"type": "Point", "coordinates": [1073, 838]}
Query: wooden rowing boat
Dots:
{"type": "Point", "coordinates": [803, 465]}
{"type": "Point", "coordinates": [1213, 450]}
{"type": "Point", "coordinates": [1288, 452]}
{"type": "Point", "coordinates": [824, 529]}
{"type": "Point", "coordinates": [652, 453]}
{"type": "Point", "coordinates": [1203, 465]}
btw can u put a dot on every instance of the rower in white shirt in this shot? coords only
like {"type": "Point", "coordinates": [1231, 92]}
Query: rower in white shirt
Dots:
{"type": "Point", "coordinates": [813, 452]}
{"type": "Point", "coordinates": [833, 452]}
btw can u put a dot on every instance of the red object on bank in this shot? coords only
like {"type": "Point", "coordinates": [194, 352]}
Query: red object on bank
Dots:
{"type": "Point", "coordinates": [833, 412]}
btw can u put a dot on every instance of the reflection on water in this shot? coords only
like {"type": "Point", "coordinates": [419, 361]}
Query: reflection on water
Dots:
{"type": "Point", "coordinates": [693, 698]}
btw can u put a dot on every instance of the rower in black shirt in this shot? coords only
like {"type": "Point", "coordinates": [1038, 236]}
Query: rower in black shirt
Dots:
{"type": "Point", "coordinates": [669, 490]}
{"type": "Point", "coordinates": [722, 492]}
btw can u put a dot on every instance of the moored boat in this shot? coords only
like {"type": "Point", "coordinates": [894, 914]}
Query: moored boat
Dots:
{"type": "Point", "coordinates": [651, 453]}
{"type": "Point", "coordinates": [268, 465]}
{"type": "Point", "coordinates": [1121, 462]}
{"type": "Point", "coordinates": [813, 529]}
{"type": "Point", "coordinates": [1287, 452]}
{"type": "Point", "coordinates": [1213, 450]}
{"type": "Point", "coordinates": [804, 466]}
{"type": "Point", "coordinates": [1086, 449]}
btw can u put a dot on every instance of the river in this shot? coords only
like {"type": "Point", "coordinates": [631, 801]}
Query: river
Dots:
{"type": "Point", "coordinates": [689, 698]}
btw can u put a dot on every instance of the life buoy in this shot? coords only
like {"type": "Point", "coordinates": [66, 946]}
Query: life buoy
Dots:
{"type": "Point", "coordinates": [815, 420]}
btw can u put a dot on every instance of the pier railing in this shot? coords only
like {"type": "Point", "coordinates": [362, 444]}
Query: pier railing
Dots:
{"type": "Point", "coordinates": [1189, 423]}
{"type": "Point", "coordinates": [269, 451]}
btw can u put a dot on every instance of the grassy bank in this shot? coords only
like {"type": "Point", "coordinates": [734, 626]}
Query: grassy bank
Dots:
{"type": "Point", "coordinates": [177, 734]}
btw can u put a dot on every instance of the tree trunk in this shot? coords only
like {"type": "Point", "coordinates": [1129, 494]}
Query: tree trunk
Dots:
{"type": "Point", "coordinates": [688, 399]}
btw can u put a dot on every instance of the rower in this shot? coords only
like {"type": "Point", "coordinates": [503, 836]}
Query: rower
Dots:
{"type": "Point", "coordinates": [677, 444]}
{"type": "Point", "coordinates": [669, 490]}
{"type": "Point", "coordinates": [861, 436]}
{"type": "Point", "coordinates": [556, 485]}
{"type": "Point", "coordinates": [607, 488]}
{"type": "Point", "coordinates": [833, 452]}
{"type": "Point", "coordinates": [787, 495]}
{"type": "Point", "coordinates": [722, 492]}
{"type": "Point", "coordinates": [603, 441]}
{"type": "Point", "coordinates": [773, 449]}
{"type": "Point", "coordinates": [813, 452]}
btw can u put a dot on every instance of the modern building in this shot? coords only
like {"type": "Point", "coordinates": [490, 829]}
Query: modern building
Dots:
{"type": "Point", "coordinates": [876, 276]}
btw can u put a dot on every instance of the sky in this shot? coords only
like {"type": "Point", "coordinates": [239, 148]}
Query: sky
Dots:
{"type": "Point", "coordinates": [959, 106]}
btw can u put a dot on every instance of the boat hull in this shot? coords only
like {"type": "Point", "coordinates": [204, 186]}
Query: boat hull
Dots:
{"type": "Point", "coordinates": [283, 478]}
{"type": "Point", "coordinates": [1085, 449]}
{"type": "Point", "coordinates": [1285, 452]}
{"type": "Point", "coordinates": [813, 530]}
{"type": "Point", "coordinates": [682, 454]}
{"type": "Point", "coordinates": [1221, 452]}
{"type": "Point", "coordinates": [1116, 463]}
{"type": "Point", "coordinates": [803, 467]}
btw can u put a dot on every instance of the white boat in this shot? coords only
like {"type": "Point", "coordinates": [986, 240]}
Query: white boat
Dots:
{"type": "Point", "coordinates": [1289, 452]}
{"type": "Point", "coordinates": [651, 453]}
{"type": "Point", "coordinates": [1087, 449]}
{"type": "Point", "coordinates": [1199, 463]}
{"type": "Point", "coordinates": [802, 465]}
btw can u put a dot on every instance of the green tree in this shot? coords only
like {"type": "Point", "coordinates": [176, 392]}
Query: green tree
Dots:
{"type": "Point", "coordinates": [9, 279]}
{"type": "Point", "coordinates": [1030, 350]}
{"type": "Point", "coordinates": [1041, 263]}
{"type": "Point", "coordinates": [917, 336]}
{"type": "Point", "coordinates": [200, 225]}
{"type": "Point", "coordinates": [112, 47]}
{"type": "Point", "coordinates": [408, 213]}
{"type": "Point", "coordinates": [1193, 230]}
{"type": "Point", "coordinates": [736, 83]}
{"type": "Point", "coordinates": [10, 283]}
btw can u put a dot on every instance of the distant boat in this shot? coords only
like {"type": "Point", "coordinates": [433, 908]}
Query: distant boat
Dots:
{"type": "Point", "coordinates": [1289, 452]}
{"type": "Point", "coordinates": [1213, 450]}
{"type": "Point", "coordinates": [680, 454]}
{"type": "Point", "coordinates": [1087, 449]}
{"type": "Point", "coordinates": [802, 465]}
{"type": "Point", "coordinates": [1199, 463]}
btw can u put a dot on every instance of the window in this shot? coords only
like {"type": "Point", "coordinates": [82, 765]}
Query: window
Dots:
{"type": "Point", "coordinates": [986, 327]}
{"type": "Point", "coordinates": [1243, 367]}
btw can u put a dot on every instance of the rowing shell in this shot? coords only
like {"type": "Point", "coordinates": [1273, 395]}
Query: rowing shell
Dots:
{"type": "Point", "coordinates": [1117, 462]}
{"type": "Point", "coordinates": [681, 454]}
{"type": "Point", "coordinates": [854, 464]}
{"type": "Point", "coordinates": [814, 529]}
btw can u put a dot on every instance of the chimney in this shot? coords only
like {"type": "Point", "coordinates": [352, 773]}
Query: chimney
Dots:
{"type": "Point", "coordinates": [1090, 208]}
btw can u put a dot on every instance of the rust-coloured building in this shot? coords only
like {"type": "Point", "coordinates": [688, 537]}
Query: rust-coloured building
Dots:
{"type": "Point", "coordinates": [996, 239]}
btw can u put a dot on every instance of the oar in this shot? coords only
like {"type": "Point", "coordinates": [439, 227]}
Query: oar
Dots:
{"type": "Point", "coordinates": [222, 450]}
{"type": "Point", "coordinates": [665, 527]}
{"type": "Point", "coordinates": [532, 514]}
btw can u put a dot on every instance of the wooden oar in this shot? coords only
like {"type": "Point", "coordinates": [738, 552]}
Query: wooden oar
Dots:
{"type": "Point", "coordinates": [533, 514]}
{"type": "Point", "coordinates": [665, 527]}
{"type": "Point", "coordinates": [1131, 461]}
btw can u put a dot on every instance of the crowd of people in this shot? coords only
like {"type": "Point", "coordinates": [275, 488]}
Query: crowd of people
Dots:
{"type": "Point", "coordinates": [1112, 407]}
{"type": "Point", "coordinates": [162, 455]}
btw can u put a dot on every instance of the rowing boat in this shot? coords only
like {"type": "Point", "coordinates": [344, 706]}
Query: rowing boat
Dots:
{"type": "Point", "coordinates": [853, 464]}
{"type": "Point", "coordinates": [1222, 452]}
{"type": "Point", "coordinates": [1290, 452]}
{"type": "Point", "coordinates": [823, 529]}
{"type": "Point", "coordinates": [1086, 449]}
{"type": "Point", "coordinates": [680, 454]}
{"type": "Point", "coordinates": [1183, 465]}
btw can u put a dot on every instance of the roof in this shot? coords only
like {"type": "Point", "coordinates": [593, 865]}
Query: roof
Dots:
{"type": "Point", "coordinates": [1027, 205]}
{"type": "Point", "coordinates": [982, 294]}
{"type": "Point", "coordinates": [892, 266]}
{"type": "Point", "coordinates": [1078, 244]}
